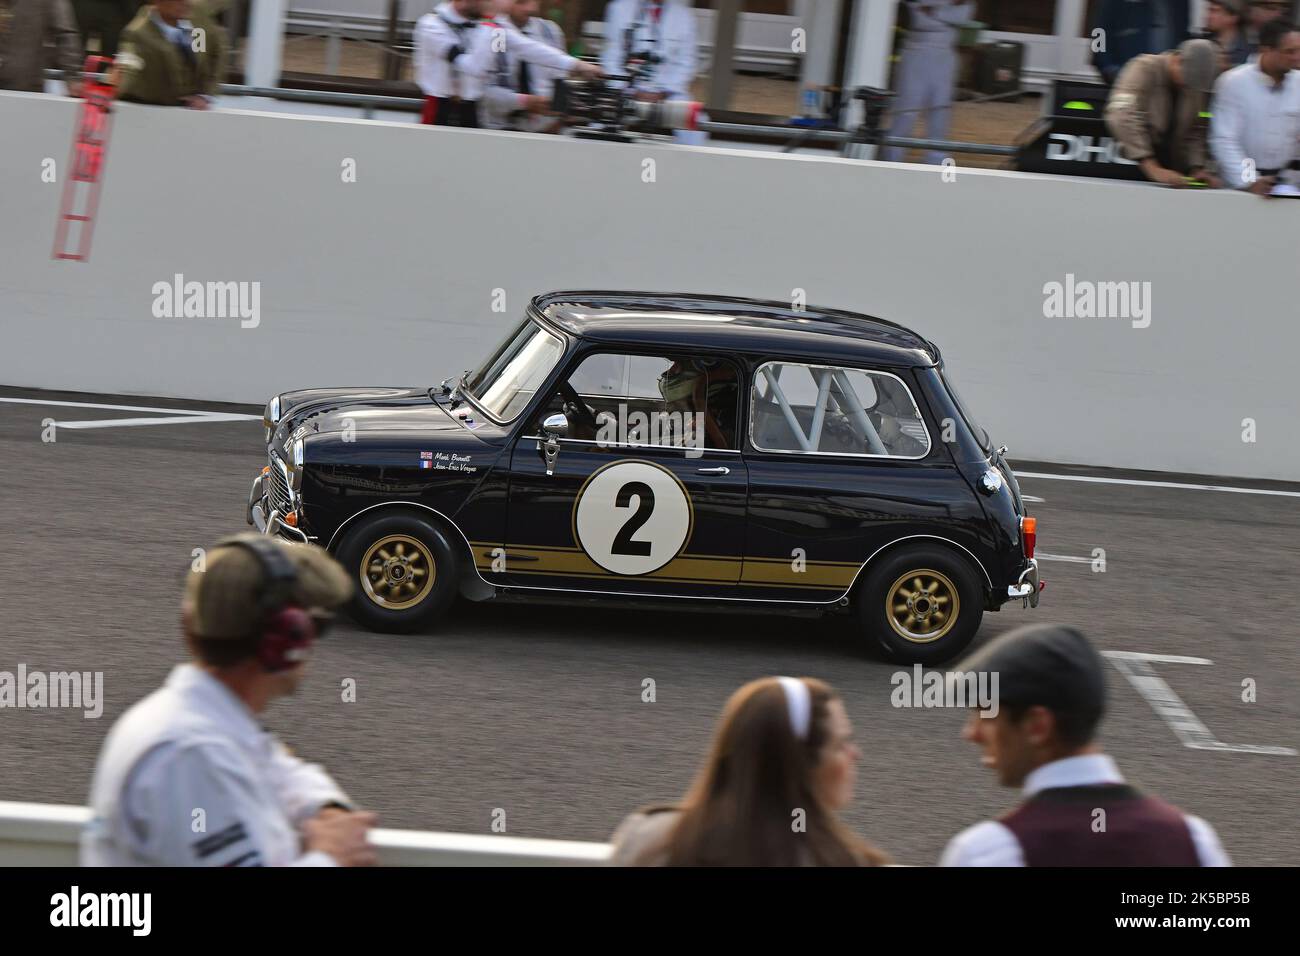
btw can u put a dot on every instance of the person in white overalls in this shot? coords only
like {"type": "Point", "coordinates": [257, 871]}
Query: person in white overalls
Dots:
{"type": "Point", "coordinates": [928, 72]}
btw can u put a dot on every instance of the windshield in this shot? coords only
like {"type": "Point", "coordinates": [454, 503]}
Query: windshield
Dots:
{"type": "Point", "coordinates": [507, 381]}
{"type": "Point", "coordinates": [980, 434]}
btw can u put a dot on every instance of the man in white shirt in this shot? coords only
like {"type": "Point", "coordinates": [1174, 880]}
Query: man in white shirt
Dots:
{"type": "Point", "coordinates": [458, 49]}
{"type": "Point", "coordinates": [1255, 122]}
{"type": "Point", "coordinates": [657, 36]}
{"type": "Point", "coordinates": [1040, 736]}
{"type": "Point", "coordinates": [519, 93]}
{"type": "Point", "coordinates": [187, 776]}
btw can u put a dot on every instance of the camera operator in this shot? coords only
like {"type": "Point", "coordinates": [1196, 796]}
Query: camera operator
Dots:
{"type": "Point", "coordinates": [654, 41]}
{"type": "Point", "coordinates": [187, 776]}
{"type": "Point", "coordinates": [459, 48]}
{"type": "Point", "coordinates": [518, 59]}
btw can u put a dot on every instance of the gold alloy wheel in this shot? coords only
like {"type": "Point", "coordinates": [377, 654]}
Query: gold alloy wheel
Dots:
{"type": "Point", "coordinates": [922, 606]}
{"type": "Point", "coordinates": [398, 572]}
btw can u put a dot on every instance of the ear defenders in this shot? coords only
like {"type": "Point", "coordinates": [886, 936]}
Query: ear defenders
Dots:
{"type": "Point", "coordinates": [285, 631]}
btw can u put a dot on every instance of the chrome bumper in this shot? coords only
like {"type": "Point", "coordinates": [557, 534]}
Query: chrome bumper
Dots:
{"type": "Point", "coordinates": [1028, 587]}
{"type": "Point", "coordinates": [265, 518]}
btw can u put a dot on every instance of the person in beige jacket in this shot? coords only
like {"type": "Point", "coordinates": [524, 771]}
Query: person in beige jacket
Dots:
{"type": "Point", "coordinates": [26, 26]}
{"type": "Point", "coordinates": [1159, 112]}
{"type": "Point", "coordinates": [782, 765]}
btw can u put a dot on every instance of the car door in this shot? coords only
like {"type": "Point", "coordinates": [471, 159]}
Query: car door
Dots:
{"type": "Point", "coordinates": [647, 491]}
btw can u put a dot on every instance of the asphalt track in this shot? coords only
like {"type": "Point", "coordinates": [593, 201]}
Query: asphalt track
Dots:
{"type": "Point", "coordinates": [539, 712]}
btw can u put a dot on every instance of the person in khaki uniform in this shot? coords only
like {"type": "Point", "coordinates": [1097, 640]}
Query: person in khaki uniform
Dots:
{"type": "Point", "coordinates": [1158, 111]}
{"type": "Point", "coordinates": [26, 26]}
{"type": "Point", "coordinates": [171, 54]}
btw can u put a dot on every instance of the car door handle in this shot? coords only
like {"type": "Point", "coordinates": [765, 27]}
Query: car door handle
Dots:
{"type": "Point", "coordinates": [720, 470]}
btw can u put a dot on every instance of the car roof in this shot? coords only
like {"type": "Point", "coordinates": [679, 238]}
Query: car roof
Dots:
{"type": "Point", "coordinates": [731, 324]}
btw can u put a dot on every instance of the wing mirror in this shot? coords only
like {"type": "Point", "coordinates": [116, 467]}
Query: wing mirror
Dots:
{"type": "Point", "coordinates": [555, 426]}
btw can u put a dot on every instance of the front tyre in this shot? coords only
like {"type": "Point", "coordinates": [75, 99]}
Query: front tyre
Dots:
{"type": "Point", "coordinates": [403, 569]}
{"type": "Point", "coordinates": [923, 604]}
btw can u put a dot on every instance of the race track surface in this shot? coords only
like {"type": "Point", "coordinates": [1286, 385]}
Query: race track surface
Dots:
{"type": "Point", "coordinates": [539, 711]}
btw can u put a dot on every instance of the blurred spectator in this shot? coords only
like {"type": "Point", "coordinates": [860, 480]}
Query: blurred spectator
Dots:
{"type": "Point", "coordinates": [26, 26]}
{"type": "Point", "coordinates": [1077, 810]}
{"type": "Point", "coordinates": [1157, 111]}
{"type": "Point", "coordinates": [460, 49]}
{"type": "Point", "coordinates": [783, 763]}
{"type": "Point", "coordinates": [519, 93]}
{"type": "Point", "coordinates": [1224, 25]}
{"type": "Point", "coordinates": [1256, 122]}
{"type": "Point", "coordinates": [443, 42]}
{"type": "Point", "coordinates": [1133, 27]}
{"type": "Point", "coordinates": [1259, 13]}
{"type": "Point", "coordinates": [105, 20]}
{"type": "Point", "coordinates": [187, 776]}
{"type": "Point", "coordinates": [171, 54]}
{"type": "Point", "coordinates": [658, 36]}
{"type": "Point", "coordinates": [927, 72]}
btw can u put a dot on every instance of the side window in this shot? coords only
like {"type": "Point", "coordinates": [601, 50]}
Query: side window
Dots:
{"type": "Point", "coordinates": [668, 400]}
{"type": "Point", "coordinates": [828, 410]}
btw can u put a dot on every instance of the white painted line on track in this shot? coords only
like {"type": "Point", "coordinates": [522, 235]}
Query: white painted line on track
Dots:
{"type": "Point", "coordinates": [174, 415]}
{"type": "Point", "coordinates": [1159, 484]}
{"type": "Point", "coordinates": [1040, 501]}
{"type": "Point", "coordinates": [1136, 667]}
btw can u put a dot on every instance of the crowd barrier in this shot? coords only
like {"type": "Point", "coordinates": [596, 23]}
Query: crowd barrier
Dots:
{"type": "Point", "coordinates": [38, 834]}
{"type": "Point", "coordinates": [385, 252]}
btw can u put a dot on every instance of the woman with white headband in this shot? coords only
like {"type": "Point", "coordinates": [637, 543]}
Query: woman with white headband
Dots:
{"type": "Point", "coordinates": [782, 764]}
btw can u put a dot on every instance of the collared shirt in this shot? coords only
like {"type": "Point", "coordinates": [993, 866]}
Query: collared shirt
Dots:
{"type": "Point", "coordinates": [992, 844]}
{"type": "Point", "coordinates": [182, 34]}
{"type": "Point", "coordinates": [665, 29]}
{"type": "Point", "coordinates": [536, 51]}
{"type": "Point", "coordinates": [1254, 119]}
{"type": "Point", "coordinates": [443, 40]}
{"type": "Point", "coordinates": [187, 777]}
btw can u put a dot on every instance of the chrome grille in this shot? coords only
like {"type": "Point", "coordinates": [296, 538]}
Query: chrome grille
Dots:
{"type": "Point", "coordinates": [281, 496]}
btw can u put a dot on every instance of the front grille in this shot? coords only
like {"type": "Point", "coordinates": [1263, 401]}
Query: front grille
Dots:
{"type": "Point", "coordinates": [281, 496]}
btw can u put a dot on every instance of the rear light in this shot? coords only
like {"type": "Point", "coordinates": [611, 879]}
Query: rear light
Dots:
{"type": "Point", "coordinates": [1029, 534]}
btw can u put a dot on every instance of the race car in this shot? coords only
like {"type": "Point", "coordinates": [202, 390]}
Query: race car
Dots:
{"type": "Point", "coordinates": [666, 450]}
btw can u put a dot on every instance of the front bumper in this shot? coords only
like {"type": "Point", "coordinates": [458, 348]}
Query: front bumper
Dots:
{"type": "Point", "coordinates": [262, 515]}
{"type": "Point", "coordinates": [1029, 587]}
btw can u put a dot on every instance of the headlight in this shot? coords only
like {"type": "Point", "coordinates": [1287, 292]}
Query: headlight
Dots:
{"type": "Point", "coordinates": [296, 452]}
{"type": "Point", "coordinates": [271, 416]}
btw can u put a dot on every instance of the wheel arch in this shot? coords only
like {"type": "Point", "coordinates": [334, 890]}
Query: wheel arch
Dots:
{"type": "Point", "coordinates": [965, 553]}
{"type": "Point", "coordinates": [469, 572]}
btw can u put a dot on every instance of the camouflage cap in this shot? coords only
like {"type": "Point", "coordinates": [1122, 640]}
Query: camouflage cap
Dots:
{"type": "Point", "coordinates": [223, 600]}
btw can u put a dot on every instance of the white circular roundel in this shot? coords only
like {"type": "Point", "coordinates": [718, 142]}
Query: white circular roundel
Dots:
{"type": "Point", "coordinates": [632, 517]}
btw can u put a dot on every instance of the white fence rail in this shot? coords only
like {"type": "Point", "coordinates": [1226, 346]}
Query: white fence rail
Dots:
{"type": "Point", "coordinates": [41, 834]}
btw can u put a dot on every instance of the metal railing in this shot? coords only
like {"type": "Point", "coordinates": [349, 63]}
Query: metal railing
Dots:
{"type": "Point", "coordinates": [42, 834]}
{"type": "Point", "coordinates": [793, 136]}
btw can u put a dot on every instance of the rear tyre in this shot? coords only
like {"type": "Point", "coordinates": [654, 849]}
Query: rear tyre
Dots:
{"type": "Point", "coordinates": [923, 604]}
{"type": "Point", "coordinates": [404, 572]}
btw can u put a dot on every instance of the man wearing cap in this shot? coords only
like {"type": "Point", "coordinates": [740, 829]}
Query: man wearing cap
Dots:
{"type": "Point", "coordinates": [1077, 810]}
{"type": "Point", "coordinates": [187, 776]}
{"type": "Point", "coordinates": [1255, 133]}
{"type": "Point", "coordinates": [1158, 111]}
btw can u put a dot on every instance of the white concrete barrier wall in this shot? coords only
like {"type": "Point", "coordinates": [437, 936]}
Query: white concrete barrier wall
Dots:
{"type": "Point", "coordinates": [392, 278]}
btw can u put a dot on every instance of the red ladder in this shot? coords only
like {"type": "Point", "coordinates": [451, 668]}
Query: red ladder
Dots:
{"type": "Point", "coordinates": [86, 164]}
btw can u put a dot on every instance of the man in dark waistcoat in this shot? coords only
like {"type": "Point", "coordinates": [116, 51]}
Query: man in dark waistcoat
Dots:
{"type": "Point", "coordinates": [1040, 736]}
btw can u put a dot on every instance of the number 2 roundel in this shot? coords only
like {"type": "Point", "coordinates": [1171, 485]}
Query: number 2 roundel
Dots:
{"type": "Point", "coordinates": [632, 517]}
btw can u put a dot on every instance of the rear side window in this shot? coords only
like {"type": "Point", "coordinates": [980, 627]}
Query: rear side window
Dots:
{"type": "Point", "coordinates": [828, 410]}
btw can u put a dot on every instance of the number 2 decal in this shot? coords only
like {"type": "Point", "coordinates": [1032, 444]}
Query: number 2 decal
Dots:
{"type": "Point", "coordinates": [623, 543]}
{"type": "Point", "coordinates": [632, 517]}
